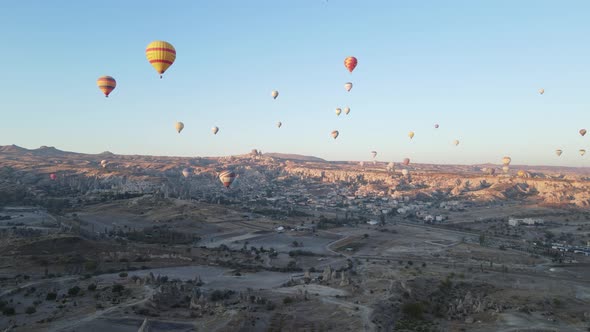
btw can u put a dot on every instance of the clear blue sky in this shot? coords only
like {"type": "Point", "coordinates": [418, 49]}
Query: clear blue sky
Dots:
{"type": "Point", "coordinates": [474, 67]}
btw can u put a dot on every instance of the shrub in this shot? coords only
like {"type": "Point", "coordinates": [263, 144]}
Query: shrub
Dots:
{"type": "Point", "coordinates": [288, 300]}
{"type": "Point", "coordinates": [51, 296]}
{"type": "Point", "coordinates": [117, 288]}
{"type": "Point", "coordinates": [413, 310]}
{"type": "Point", "coordinates": [123, 274]}
{"type": "Point", "coordinates": [8, 311]}
{"type": "Point", "coordinates": [74, 291]}
{"type": "Point", "coordinates": [92, 287]}
{"type": "Point", "coordinates": [30, 310]}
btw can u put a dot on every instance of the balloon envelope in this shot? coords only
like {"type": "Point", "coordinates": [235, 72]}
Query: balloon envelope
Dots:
{"type": "Point", "coordinates": [506, 161]}
{"type": "Point", "coordinates": [582, 132]}
{"type": "Point", "coordinates": [335, 134]}
{"type": "Point", "coordinates": [558, 152]}
{"type": "Point", "coordinates": [279, 124]}
{"type": "Point", "coordinates": [436, 126]}
{"type": "Point", "coordinates": [582, 152]}
{"type": "Point", "coordinates": [227, 177]}
{"type": "Point", "coordinates": [348, 86]}
{"type": "Point", "coordinates": [186, 172]}
{"type": "Point", "coordinates": [406, 161]}
{"type": "Point", "coordinates": [179, 126]}
{"type": "Point", "coordinates": [274, 94]}
{"type": "Point", "coordinates": [214, 130]}
{"type": "Point", "coordinates": [456, 142]}
{"type": "Point", "coordinates": [161, 55]}
{"type": "Point", "coordinates": [346, 110]}
{"type": "Point", "coordinates": [106, 84]}
{"type": "Point", "coordinates": [52, 176]}
{"type": "Point", "coordinates": [338, 111]}
{"type": "Point", "coordinates": [350, 63]}
{"type": "Point", "coordinates": [411, 134]}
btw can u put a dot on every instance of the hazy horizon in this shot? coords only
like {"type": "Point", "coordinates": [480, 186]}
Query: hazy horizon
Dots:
{"type": "Point", "coordinates": [473, 68]}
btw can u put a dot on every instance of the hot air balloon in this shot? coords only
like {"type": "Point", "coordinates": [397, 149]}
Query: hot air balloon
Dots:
{"type": "Point", "coordinates": [227, 177]}
{"type": "Point", "coordinates": [274, 94]}
{"type": "Point", "coordinates": [405, 172]}
{"type": "Point", "coordinates": [582, 132]}
{"type": "Point", "coordinates": [521, 173]}
{"type": "Point", "coordinates": [106, 84]}
{"type": "Point", "coordinates": [279, 124]}
{"type": "Point", "coordinates": [362, 164]}
{"type": "Point", "coordinates": [558, 152]}
{"type": "Point", "coordinates": [374, 154]}
{"type": "Point", "coordinates": [506, 160]}
{"type": "Point", "coordinates": [52, 176]}
{"type": "Point", "coordinates": [350, 63]}
{"type": "Point", "coordinates": [103, 163]}
{"type": "Point", "coordinates": [186, 172]}
{"type": "Point", "coordinates": [348, 86]}
{"type": "Point", "coordinates": [335, 134]}
{"type": "Point", "coordinates": [214, 130]}
{"type": "Point", "coordinates": [346, 110]}
{"type": "Point", "coordinates": [411, 134]}
{"type": "Point", "coordinates": [436, 126]}
{"type": "Point", "coordinates": [179, 126]}
{"type": "Point", "coordinates": [338, 111]}
{"type": "Point", "coordinates": [505, 168]}
{"type": "Point", "coordinates": [406, 161]}
{"type": "Point", "coordinates": [161, 55]}
{"type": "Point", "coordinates": [582, 152]}
{"type": "Point", "coordinates": [456, 142]}
{"type": "Point", "coordinates": [391, 166]}
{"type": "Point", "coordinates": [541, 91]}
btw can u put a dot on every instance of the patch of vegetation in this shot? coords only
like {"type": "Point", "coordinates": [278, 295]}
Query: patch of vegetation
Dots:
{"type": "Point", "coordinates": [30, 310]}
{"type": "Point", "coordinates": [298, 252]}
{"type": "Point", "coordinates": [51, 296]}
{"type": "Point", "coordinates": [74, 291]}
{"type": "Point", "coordinates": [218, 295]}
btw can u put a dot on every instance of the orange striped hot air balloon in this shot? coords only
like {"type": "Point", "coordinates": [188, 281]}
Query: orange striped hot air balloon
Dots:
{"type": "Point", "coordinates": [161, 55]}
{"type": "Point", "coordinates": [227, 177]}
{"type": "Point", "coordinates": [106, 84]}
{"type": "Point", "coordinates": [350, 63]}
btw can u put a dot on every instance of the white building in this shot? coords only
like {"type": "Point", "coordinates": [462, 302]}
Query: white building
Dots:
{"type": "Point", "coordinates": [525, 221]}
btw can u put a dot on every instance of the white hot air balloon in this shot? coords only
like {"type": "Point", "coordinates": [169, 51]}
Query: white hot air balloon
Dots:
{"type": "Point", "coordinates": [456, 142]}
{"type": "Point", "coordinates": [346, 110]}
{"type": "Point", "coordinates": [214, 130]}
{"type": "Point", "coordinates": [541, 91]}
{"type": "Point", "coordinates": [338, 111]}
{"type": "Point", "coordinates": [405, 172]}
{"type": "Point", "coordinates": [104, 163]}
{"type": "Point", "coordinates": [279, 124]}
{"type": "Point", "coordinates": [348, 86]}
{"type": "Point", "coordinates": [274, 94]}
{"type": "Point", "coordinates": [186, 172]}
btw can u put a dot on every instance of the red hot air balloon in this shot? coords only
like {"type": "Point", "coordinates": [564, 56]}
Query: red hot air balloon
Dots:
{"type": "Point", "coordinates": [227, 177]}
{"type": "Point", "coordinates": [52, 176]}
{"type": "Point", "coordinates": [350, 63]}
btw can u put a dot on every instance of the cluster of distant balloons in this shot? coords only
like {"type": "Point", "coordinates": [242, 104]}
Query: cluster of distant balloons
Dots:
{"type": "Point", "coordinates": [161, 56]}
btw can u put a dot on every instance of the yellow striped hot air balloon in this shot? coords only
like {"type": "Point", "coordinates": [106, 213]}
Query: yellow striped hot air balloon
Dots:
{"type": "Point", "coordinates": [161, 55]}
{"type": "Point", "coordinates": [106, 84]}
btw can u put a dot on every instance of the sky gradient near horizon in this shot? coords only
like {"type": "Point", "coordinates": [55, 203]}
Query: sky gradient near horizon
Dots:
{"type": "Point", "coordinates": [474, 67]}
